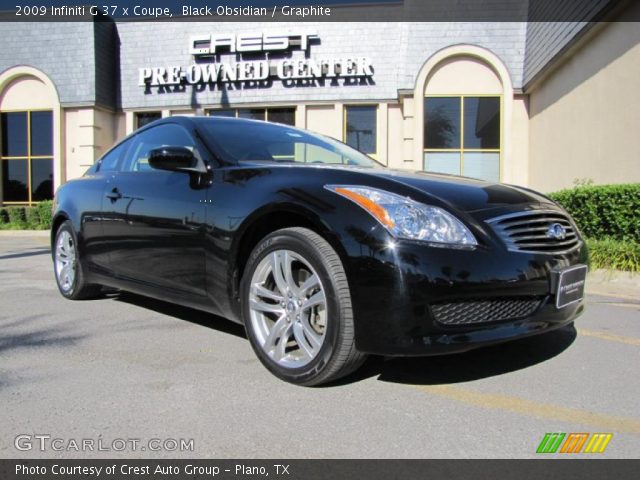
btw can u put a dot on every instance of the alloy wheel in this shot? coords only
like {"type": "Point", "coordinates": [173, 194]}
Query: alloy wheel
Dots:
{"type": "Point", "coordinates": [65, 264]}
{"type": "Point", "coordinates": [288, 308]}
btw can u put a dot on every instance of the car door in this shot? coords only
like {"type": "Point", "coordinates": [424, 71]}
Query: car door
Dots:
{"type": "Point", "coordinates": [156, 217]}
{"type": "Point", "coordinates": [96, 244]}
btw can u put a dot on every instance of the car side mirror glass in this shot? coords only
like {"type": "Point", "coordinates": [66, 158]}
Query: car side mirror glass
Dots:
{"type": "Point", "coordinates": [173, 159]}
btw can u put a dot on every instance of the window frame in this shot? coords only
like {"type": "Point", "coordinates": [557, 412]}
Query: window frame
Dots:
{"type": "Point", "coordinates": [136, 124]}
{"type": "Point", "coordinates": [30, 157]}
{"type": "Point", "coordinates": [125, 158]}
{"type": "Point", "coordinates": [122, 143]}
{"type": "Point", "coordinates": [462, 149]}
{"type": "Point", "coordinates": [236, 110]}
{"type": "Point", "coordinates": [345, 107]}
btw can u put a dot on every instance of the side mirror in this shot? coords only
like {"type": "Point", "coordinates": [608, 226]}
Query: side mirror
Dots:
{"type": "Point", "coordinates": [175, 159]}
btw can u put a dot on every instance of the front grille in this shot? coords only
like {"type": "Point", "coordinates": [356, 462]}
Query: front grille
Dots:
{"type": "Point", "coordinates": [473, 312]}
{"type": "Point", "coordinates": [529, 231]}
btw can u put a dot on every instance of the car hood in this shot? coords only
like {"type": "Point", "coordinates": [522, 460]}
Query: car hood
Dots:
{"type": "Point", "coordinates": [466, 194]}
{"type": "Point", "coordinates": [461, 193]}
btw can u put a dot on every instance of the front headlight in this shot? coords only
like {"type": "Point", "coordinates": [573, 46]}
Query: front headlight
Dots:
{"type": "Point", "coordinates": [406, 218]}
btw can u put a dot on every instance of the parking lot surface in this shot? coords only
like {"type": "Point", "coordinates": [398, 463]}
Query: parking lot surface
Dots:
{"type": "Point", "coordinates": [129, 368]}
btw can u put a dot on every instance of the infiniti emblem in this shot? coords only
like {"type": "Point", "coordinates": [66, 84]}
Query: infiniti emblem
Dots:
{"type": "Point", "coordinates": [556, 231]}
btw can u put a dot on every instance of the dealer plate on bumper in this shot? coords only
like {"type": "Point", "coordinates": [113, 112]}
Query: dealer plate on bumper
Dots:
{"type": "Point", "coordinates": [570, 285]}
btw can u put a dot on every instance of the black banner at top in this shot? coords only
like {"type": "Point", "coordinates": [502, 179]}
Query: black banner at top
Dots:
{"type": "Point", "coordinates": [313, 11]}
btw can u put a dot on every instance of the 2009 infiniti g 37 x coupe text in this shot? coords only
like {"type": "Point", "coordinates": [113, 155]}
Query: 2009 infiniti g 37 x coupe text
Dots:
{"type": "Point", "coordinates": [323, 255]}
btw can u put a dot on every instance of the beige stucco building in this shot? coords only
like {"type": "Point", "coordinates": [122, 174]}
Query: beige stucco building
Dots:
{"type": "Point", "coordinates": [542, 105]}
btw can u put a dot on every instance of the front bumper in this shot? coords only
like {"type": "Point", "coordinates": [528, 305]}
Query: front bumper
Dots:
{"type": "Point", "coordinates": [395, 286]}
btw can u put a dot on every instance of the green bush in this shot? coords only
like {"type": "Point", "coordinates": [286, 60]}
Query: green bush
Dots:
{"type": "Point", "coordinates": [17, 216]}
{"type": "Point", "coordinates": [44, 214]}
{"type": "Point", "coordinates": [604, 211]}
{"type": "Point", "coordinates": [614, 254]}
{"type": "Point", "coordinates": [32, 218]}
{"type": "Point", "coordinates": [37, 217]}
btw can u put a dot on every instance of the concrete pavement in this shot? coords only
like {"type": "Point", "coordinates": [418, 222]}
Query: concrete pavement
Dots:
{"type": "Point", "coordinates": [126, 367]}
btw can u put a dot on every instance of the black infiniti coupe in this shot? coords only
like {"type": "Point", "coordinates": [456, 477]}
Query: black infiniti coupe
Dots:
{"type": "Point", "coordinates": [322, 254]}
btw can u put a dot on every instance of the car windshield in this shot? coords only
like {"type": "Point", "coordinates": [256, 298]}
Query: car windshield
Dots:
{"type": "Point", "coordinates": [246, 140]}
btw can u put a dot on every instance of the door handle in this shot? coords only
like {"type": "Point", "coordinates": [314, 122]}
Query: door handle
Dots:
{"type": "Point", "coordinates": [114, 195]}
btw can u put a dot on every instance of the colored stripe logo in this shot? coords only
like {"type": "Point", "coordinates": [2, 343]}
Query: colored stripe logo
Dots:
{"type": "Point", "coordinates": [598, 443]}
{"type": "Point", "coordinates": [574, 443]}
{"type": "Point", "coordinates": [550, 443]}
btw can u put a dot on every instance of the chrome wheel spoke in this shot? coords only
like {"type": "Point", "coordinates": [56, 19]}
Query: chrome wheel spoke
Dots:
{"type": "Point", "coordinates": [266, 307]}
{"type": "Point", "coordinates": [301, 341]}
{"type": "Point", "coordinates": [309, 283]}
{"type": "Point", "coordinates": [287, 267]}
{"type": "Point", "coordinates": [263, 292]}
{"type": "Point", "coordinates": [314, 339]}
{"type": "Point", "coordinates": [280, 352]}
{"type": "Point", "coordinates": [64, 273]}
{"type": "Point", "coordinates": [277, 335]}
{"type": "Point", "coordinates": [277, 264]}
{"type": "Point", "coordinates": [69, 246]}
{"type": "Point", "coordinates": [306, 338]}
{"type": "Point", "coordinates": [317, 299]}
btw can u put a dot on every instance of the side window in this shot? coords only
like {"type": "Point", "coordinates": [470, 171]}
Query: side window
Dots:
{"type": "Point", "coordinates": [137, 159]}
{"type": "Point", "coordinates": [109, 163]}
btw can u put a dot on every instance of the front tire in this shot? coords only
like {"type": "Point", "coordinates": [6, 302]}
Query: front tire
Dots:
{"type": "Point", "coordinates": [67, 266]}
{"type": "Point", "coordinates": [296, 307]}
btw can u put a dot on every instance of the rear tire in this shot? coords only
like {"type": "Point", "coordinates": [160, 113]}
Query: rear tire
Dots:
{"type": "Point", "coordinates": [68, 268]}
{"type": "Point", "coordinates": [296, 307]}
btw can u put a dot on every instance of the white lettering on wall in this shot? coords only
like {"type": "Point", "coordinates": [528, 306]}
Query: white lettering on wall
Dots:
{"type": "Point", "coordinates": [255, 70]}
{"type": "Point", "coordinates": [286, 69]}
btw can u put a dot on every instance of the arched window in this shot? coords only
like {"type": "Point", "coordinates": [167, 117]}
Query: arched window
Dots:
{"type": "Point", "coordinates": [466, 94]}
{"type": "Point", "coordinates": [463, 120]}
{"type": "Point", "coordinates": [27, 146]}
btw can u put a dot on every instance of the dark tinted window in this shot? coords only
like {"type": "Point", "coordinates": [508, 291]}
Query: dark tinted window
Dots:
{"type": "Point", "coordinates": [282, 115]}
{"type": "Point", "coordinates": [222, 113]}
{"type": "Point", "coordinates": [442, 122]}
{"type": "Point", "coordinates": [252, 113]}
{"type": "Point", "coordinates": [27, 156]}
{"type": "Point", "coordinates": [15, 174]}
{"type": "Point", "coordinates": [482, 122]}
{"type": "Point", "coordinates": [41, 179]}
{"type": "Point", "coordinates": [361, 128]}
{"type": "Point", "coordinates": [137, 157]}
{"type": "Point", "coordinates": [41, 134]}
{"type": "Point", "coordinates": [285, 115]}
{"type": "Point", "coordinates": [474, 151]}
{"type": "Point", "coordinates": [111, 160]}
{"type": "Point", "coordinates": [145, 118]}
{"type": "Point", "coordinates": [14, 134]}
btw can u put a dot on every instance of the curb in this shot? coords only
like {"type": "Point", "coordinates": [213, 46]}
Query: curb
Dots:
{"type": "Point", "coordinates": [614, 283]}
{"type": "Point", "coordinates": [24, 233]}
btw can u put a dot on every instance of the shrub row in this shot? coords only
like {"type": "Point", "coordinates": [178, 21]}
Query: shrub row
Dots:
{"type": "Point", "coordinates": [614, 254]}
{"type": "Point", "coordinates": [37, 217]}
{"type": "Point", "coordinates": [604, 211]}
